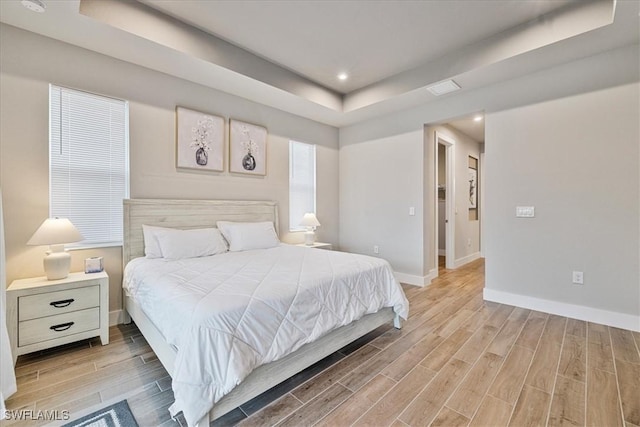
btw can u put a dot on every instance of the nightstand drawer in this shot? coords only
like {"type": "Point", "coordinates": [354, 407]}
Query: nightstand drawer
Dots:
{"type": "Point", "coordinates": [54, 303]}
{"type": "Point", "coordinates": [61, 325]}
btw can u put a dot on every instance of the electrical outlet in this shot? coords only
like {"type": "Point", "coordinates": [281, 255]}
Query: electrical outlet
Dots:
{"type": "Point", "coordinates": [376, 249]}
{"type": "Point", "coordinates": [578, 277]}
{"type": "Point", "coordinates": [469, 242]}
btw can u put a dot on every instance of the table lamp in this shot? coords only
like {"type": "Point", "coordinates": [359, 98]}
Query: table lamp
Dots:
{"type": "Point", "coordinates": [311, 222]}
{"type": "Point", "coordinates": [55, 232]}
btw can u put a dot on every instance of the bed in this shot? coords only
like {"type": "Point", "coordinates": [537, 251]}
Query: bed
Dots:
{"type": "Point", "coordinates": [311, 345]}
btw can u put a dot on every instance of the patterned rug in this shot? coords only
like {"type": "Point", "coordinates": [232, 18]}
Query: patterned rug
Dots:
{"type": "Point", "coordinates": [117, 415]}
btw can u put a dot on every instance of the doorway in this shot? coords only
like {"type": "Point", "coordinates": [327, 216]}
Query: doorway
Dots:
{"type": "Point", "coordinates": [445, 200]}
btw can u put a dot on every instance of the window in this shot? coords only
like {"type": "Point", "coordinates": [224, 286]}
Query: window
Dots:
{"type": "Point", "coordinates": [88, 163]}
{"type": "Point", "coordinates": [302, 182]}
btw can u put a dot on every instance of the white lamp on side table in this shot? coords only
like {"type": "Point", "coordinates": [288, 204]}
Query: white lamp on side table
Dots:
{"type": "Point", "coordinates": [56, 232]}
{"type": "Point", "coordinates": [311, 222]}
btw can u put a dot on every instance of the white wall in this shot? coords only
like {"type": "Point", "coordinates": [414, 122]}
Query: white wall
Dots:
{"type": "Point", "coordinates": [576, 159]}
{"type": "Point", "coordinates": [377, 200]}
{"type": "Point", "coordinates": [30, 62]}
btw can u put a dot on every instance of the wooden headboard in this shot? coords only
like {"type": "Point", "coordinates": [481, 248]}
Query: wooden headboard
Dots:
{"type": "Point", "coordinates": [187, 214]}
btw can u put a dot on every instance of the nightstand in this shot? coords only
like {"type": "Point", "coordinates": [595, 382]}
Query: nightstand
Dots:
{"type": "Point", "coordinates": [317, 245]}
{"type": "Point", "coordinates": [45, 313]}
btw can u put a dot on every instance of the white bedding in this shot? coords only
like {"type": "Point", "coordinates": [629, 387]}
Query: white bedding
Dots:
{"type": "Point", "coordinates": [227, 314]}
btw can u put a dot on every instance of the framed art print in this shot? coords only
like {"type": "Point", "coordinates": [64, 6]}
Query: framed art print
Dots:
{"type": "Point", "coordinates": [247, 148]}
{"type": "Point", "coordinates": [473, 188]}
{"type": "Point", "coordinates": [199, 140]}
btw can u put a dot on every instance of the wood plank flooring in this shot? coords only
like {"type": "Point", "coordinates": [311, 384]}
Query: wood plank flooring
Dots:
{"type": "Point", "coordinates": [458, 361]}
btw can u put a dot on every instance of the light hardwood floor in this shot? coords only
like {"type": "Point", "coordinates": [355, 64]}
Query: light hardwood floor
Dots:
{"type": "Point", "coordinates": [457, 361]}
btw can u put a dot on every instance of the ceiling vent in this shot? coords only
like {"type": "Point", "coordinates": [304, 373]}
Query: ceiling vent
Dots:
{"type": "Point", "coordinates": [443, 87]}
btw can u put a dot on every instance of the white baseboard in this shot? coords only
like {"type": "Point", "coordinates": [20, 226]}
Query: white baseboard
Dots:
{"type": "Point", "coordinates": [442, 252]}
{"type": "Point", "coordinates": [115, 317]}
{"type": "Point", "coordinates": [433, 273]}
{"type": "Point", "coordinates": [465, 260]}
{"type": "Point", "coordinates": [589, 314]}
{"type": "Point", "coordinates": [411, 279]}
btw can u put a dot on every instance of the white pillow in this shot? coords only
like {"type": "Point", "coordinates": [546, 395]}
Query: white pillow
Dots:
{"type": "Point", "coordinates": [179, 244]}
{"type": "Point", "coordinates": [151, 245]}
{"type": "Point", "coordinates": [243, 236]}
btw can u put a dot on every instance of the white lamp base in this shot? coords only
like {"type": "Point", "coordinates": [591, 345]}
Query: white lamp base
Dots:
{"type": "Point", "coordinates": [309, 237]}
{"type": "Point", "coordinates": [57, 263]}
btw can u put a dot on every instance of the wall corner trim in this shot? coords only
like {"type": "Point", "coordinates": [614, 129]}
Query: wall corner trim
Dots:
{"type": "Point", "coordinates": [466, 259]}
{"type": "Point", "coordinates": [116, 317]}
{"type": "Point", "coordinates": [412, 279]}
{"type": "Point", "coordinates": [589, 314]}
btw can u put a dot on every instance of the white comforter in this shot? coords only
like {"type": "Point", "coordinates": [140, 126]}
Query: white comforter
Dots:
{"type": "Point", "coordinates": [227, 314]}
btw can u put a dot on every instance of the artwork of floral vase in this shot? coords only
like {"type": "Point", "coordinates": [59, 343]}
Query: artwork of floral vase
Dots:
{"type": "Point", "coordinates": [247, 148]}
{"type": "Point", "coordinates": [248, 161]}
{"type": "Point", "coordinates": [202, 157]}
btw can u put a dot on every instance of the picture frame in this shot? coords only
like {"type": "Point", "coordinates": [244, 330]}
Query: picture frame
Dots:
{"type": "Point", "coordinates": [473, 188]}
{"type": "Point", "coordinates": [247, 148]}
{"type": "Point", "coordinates": [200, 140]}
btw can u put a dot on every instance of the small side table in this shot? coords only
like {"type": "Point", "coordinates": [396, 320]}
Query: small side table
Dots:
{"type": "Point", "coordinates": [317, 245]}
{"type": "Point", "coordinates": [45, 313]}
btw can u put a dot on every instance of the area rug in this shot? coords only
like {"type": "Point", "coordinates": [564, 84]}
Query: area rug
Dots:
{"type": "Point", "coordinates": [117, 415]}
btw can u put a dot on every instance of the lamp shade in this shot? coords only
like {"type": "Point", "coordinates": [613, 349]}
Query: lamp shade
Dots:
{"type": "Point", "coordinates": [55, 231]}
{"type": "Point", "coordinates": [310, 220]}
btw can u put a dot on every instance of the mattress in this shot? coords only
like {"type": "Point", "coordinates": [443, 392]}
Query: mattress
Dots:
{"type": "Point", "coordinates": [230, 313]}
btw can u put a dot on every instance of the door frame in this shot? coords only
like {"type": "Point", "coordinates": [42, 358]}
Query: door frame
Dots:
{"type": "Point", "coordinates": [450, 191]}
{"type": "Point", "coordinates": [481, 203]}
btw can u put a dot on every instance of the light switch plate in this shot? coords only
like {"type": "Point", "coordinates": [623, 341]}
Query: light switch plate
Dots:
{"type": "Point", "coordinates": [525, 211]}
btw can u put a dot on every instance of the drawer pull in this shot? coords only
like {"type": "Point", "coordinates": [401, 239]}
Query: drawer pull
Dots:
{"type": "Point", "coordinates": [62, 303]}
{"type": "Point", "coordinates": [62, 327]}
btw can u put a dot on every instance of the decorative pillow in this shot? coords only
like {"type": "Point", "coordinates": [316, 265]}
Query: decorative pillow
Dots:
{"type": "Point", "coordinates": [180, 244]}
{"type": "Point", "coordinates": [151, 245]}
{"type": "Point", "coordinates": [243, 236]}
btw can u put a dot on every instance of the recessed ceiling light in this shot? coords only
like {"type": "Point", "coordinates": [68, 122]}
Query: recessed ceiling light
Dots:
{"type": "Point", "coordinates": [477, 119]}
{"type": "Point", "coordinates": [343, 76]}
{"type": "Point", "coordinates": [443, 87]}
{"type": "Point", "coordinates": [34, 5]}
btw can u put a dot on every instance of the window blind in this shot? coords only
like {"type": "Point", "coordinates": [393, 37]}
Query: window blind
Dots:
{"type": "Point", "coordinates": [88, 163]}
{"type": "Point", "coordinates": [302, 182]}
